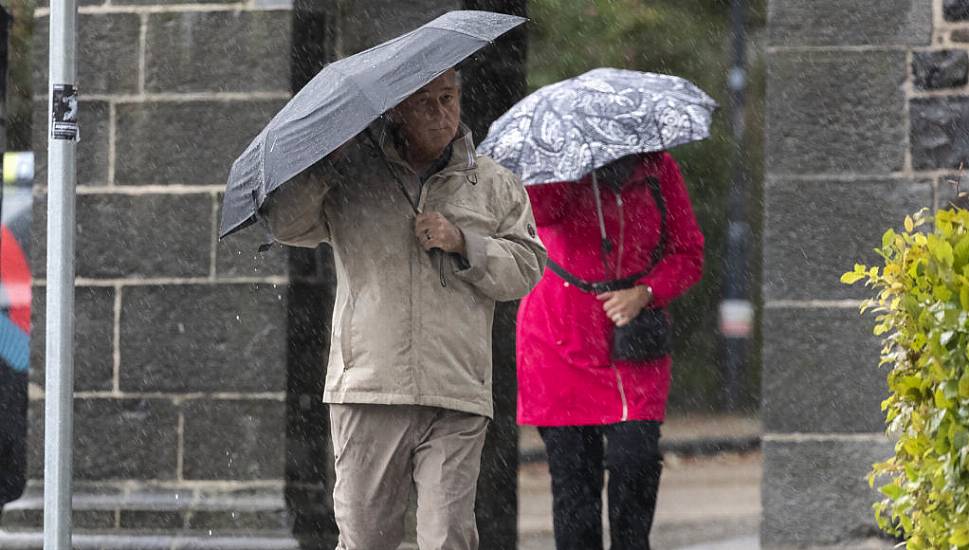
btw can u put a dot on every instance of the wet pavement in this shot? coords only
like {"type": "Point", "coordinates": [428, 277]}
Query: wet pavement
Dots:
{"type": "Point", "coordinates": [707, 500]}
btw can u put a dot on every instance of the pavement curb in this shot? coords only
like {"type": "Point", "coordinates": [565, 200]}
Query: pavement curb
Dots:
{"type": "Point", "coordinates": [120, 541]}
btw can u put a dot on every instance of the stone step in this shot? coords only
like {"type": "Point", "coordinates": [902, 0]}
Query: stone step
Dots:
{"type": "Point", "coordinates": [93, 541]}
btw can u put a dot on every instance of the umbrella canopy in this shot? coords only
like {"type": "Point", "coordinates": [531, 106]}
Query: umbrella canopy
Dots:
{"type": "Point", "coordinates": [563, 131]}
{"type": "Point", "coordinates": [344, 98]}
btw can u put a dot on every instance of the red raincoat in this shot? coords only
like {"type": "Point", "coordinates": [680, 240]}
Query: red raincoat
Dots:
{"type": "Point", "coordinates": [565, 374]}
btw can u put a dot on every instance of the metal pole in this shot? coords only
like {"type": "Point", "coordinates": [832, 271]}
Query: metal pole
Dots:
{"type": "Point", "coordinates": [59, 394]}
{"type": "Point", "coordinates": [736, 310]}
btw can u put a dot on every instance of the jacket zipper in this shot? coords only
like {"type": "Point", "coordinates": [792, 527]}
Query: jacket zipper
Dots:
{"type": "Point", "coordinates": [622, 390]}
{"type": "Point", "coordinates": [440, 263]}
{"type": "Point", "coordinates": [440, 254]}
{"type": "Point", "coordinates": [622, 394]}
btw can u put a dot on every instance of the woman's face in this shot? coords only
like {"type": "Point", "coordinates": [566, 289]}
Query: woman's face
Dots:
{"type": "Point", "coordinates": [617, 171]}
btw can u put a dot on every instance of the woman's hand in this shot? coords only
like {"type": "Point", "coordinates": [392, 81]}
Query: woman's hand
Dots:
{"type": "Point", "coordinates": [622, 306]}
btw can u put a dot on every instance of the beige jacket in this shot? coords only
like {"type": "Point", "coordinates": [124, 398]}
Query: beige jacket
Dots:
{"type": "Point", "coordinates": [406, 330]}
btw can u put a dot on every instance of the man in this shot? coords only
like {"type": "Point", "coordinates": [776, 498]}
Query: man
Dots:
{"type": "Point", "coordinates": [426, 237]}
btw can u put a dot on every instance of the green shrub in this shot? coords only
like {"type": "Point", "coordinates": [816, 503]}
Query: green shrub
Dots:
{"type": "Point", "coordinates": [922, 305]}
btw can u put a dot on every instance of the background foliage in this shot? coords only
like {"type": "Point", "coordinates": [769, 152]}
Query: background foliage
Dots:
{"type": "Point", "coordinates": [19, 89]}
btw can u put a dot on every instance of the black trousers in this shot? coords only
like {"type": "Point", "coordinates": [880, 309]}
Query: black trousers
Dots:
{"type": "Point", "coordinates": [577, 459]}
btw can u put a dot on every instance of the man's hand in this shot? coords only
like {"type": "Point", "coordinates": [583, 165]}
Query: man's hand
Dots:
{"type": "Point", "coordinates": [622, 306]}
{"type": "Point", "coordinates": [433, 230]}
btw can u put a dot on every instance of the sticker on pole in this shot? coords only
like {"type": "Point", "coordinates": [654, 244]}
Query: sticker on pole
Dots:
{"type": "Point", "coordinates": [64, 112]}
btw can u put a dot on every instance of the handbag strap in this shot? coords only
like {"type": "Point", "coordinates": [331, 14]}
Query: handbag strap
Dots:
{"type": "Point", "coordinates": [605, 242]}
{"type": "Point", "coordinates": [594, 287]}
{"type": "Point", "coordinates": [653, 183]}
{"type": "Point", "coordinates": [625, 282]}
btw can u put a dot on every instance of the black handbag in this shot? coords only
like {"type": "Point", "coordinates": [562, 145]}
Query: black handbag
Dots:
{"type": "Point", "coordinates": [649, 335]}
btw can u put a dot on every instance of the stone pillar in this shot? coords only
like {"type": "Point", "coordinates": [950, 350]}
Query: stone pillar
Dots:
{"type": "Point", "coordinates": [180, 343]}
{"type": "Point", "coordinates": [854, 143]}
{"type": "Point", "coordinates": [494, 82]}
{"type": "Point", "coordinates": [311, 294]}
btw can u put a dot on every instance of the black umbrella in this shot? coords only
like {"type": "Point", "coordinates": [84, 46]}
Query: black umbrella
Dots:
{"type": "Point", "coordinates": [344, 98]}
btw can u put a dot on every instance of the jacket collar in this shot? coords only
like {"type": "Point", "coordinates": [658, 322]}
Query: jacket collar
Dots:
{"type": "Point", "coordinates": [463, 156]}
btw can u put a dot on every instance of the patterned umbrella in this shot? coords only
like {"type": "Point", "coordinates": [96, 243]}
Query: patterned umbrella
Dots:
{"type": "Point", "coordinates": [565, 130]}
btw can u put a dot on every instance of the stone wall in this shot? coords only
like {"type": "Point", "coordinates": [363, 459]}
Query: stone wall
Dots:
{"type": "Point", "coordinates": [180, 339]}
{"type": "Point", "coordinates": [868, 108]}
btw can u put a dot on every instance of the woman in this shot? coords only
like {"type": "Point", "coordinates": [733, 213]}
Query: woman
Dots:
{"type": "Point", "coordinates": [630, 222]}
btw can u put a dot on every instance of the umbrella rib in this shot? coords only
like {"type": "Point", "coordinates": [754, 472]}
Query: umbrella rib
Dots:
{"type": "Point", "coordinates": [359, 89]}
{"type": "Point", "coordinates": [465, 33]}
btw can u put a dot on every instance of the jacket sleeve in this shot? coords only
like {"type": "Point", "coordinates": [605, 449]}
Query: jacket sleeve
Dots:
{"type": "Point", "coordinates": [551, 201]}
{"type": "Point", "coordinates": [295, 211]}
{"type": "Point", "coordinates": [507, 265]}
{"type": "Point", "coordinates": [682, 263]}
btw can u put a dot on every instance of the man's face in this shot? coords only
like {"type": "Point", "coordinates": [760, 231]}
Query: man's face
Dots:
{"type": "Point", "coordinates": [429, 118]}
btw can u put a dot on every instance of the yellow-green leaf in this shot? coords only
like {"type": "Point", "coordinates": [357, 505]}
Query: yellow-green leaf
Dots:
{"type": "Point", "coordinates": [944, 253]}
{"type": "Point", "coordinates": [942, 293]}
{"type": "Point", "coordinates": [888, 238]}
{"type": "Point", "coordinates": [960, 537]}
{"type": "Point", "coordinates": [940, 400]}
{"type": "Point", "coordinates": [853, 277]}
{"type": "Point", "coordinates": [964, 386]}
{"type": "Point", "coordinates": [962, 251]}
{"type": "Point", "coordinates": [911, 472]}
{"type": "Point", "coordinates": [891, 491]}
{"type": "Point", "coordinates": [909, 224]}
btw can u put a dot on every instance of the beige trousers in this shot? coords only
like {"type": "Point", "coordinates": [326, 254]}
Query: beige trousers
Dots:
{"type": "Point", "coordinates": [382, 451]}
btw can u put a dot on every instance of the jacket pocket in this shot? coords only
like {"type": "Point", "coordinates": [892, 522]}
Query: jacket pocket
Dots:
{"type": "Point", "coordinates": [472, 327]}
